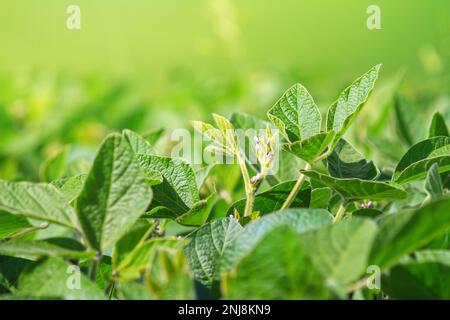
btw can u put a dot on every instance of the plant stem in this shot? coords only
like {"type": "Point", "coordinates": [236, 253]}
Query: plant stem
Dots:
{"type": "Point", "coordinates": [361, 283]}
{"type": "Point", "coordinates": [340, 212]}
{"type": "Point", "coordinates": [26, 231]}
{"type": "Point", "coordinates": [249, 192]}
{"type": "Point", "coordinates": [95, 261]}
{"type": "Point", "coordinates": [110, 290]}
{"type": "Point", "coordinates": [295, 189]}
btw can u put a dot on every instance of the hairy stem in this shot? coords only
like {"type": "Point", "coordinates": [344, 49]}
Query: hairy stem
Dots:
{"type": "Point", "coordinates": [249, 192]}
{"type": "Point", "coordinates": [340, 212]}
{"type": "Point", "coordinates": [295, 189]}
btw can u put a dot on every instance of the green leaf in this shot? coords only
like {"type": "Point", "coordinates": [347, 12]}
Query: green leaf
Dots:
{"type": "Point", "coordinates": [10, 270]}
{"type": "Point", "coordinates": [344, 110]}
{"type": "Point", "coordinates": [36, 200]}
{"type": "Point", "coordinates": [139, 258]}
{"type": "Point", "coordinates": [253, 126]}
{"type": "Point", "coordinates": [207, 246]}
{"type": "Point", "coordinates": [302, 220]}
{"type": "Point", "coordinates": [433, 183]}
{"type": "Point", "coordinates": [70, 187]}
{"type": "Point", "coordinates": [320, 197]}
{"type": "Point", "coordinates": [245, 121]}
{"type": "Point", "coordinates": [199, 213]}
{"type": "Point", "coordinates": [295, 114]}
{"type": "Point", "coordinates": [154, 135]}
{"type": "Point", "coordinates": [309, 149]}
{"type": "Point", "coordinates": [438, 126]}
{"type": "Point", "coordinates": [168, 275]}
{"type": "Point", "coordinates": [420, 169]}
{"type": "Point", "coordinates": [418, 158]}
{"type": "Point", "coordinates": [10, 224]}
{"type": "Point", "coordinates": [130, 240]}
{"type": "Point", "coordinates": [425, 278]}
{"type": "Point", "coordinates": [138, 143]}
{"type": "Point", "coordinates": [54, 167]}
{"type": "Point", "coordinates": [36, 249]}
{"type": "Point", "coordinates": [224, 137]}
{"type": "Point", "coordinates": [346, 162]}
{"type": "Point", "coordinates": [402, 111]}
{"type": "Point", "coordinates": [340, 251]}
{"type": "Point", "coordinates": [52, 278]}
{"type": "Point", "coordinates": [403, 233]}
{"type": "Point", "coordinates": [178, 192]}
{"type": "Point", "coordinates": [114, 196]}
{"type": "Point", "coordinates": [271, 200]}
{"type": "Point", "coordinates": [356, 189]}
{"type": "Point", "coordinates": [367, 213]}
{"type": "Point", "coordinates": [132, 291]}
{"type": "Point", "coordinates": [276, 268]}
{"type": "Point", "coordinates": [103, 272]}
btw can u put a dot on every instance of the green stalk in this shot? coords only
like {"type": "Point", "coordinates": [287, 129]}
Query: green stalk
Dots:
{"type": "Point", "coordinates": [23, 232]}
{"type": "Point", "coordinates": [340, 212]}
{"type": "Point", "coordinates": [295, 189]}
{"type": "Point", "coordinates": [95, 262]}
{"type": "Point", "coordinates": [301, 179]}
{"type": "Point", "coordinates": [249, 192]}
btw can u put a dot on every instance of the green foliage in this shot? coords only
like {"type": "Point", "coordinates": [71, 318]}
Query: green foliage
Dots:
{"type": "Point", "coordinates": [421, 156]}
{"type": "Point", "coordinates": [352, 189]}
{"type": "Point", "coordinates": [131, 222]}
{"type": "Point", "coordinates": [115, 185]}
{"type": "Point", "coordinates": [405, 232]}
{"type": "Point", "coordinates": [276, 268]}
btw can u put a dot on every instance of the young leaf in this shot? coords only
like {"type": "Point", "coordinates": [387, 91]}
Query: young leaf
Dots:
{"type": "Point", "coordinates": [52, 278]}
{"type": "Point", "coordinates": [296, 115]}
{"type": "Point", "coordinates": [433, 183]}
{"type": "Point", "coordinates": [276, 268]}
{"type": "Point", "coordinates": [311, 148]}
{"type": "Point", "coordinates": [345, 109]}
{"type": "Point", "coordinates": [115, 194]}
{"type": "Point", "coordinates": [36, 200]}
{"type": "Point", "coordinates": [438, 127]}
{"type": "Point", "coordinates": [271, 200]}
{"type": "Point", "coordinates": [356, 189]}
{"type": "Point", "coordinates": [340, 251]}
{"type": "Point", "coordinates": [346, 162]}
{"type": "Point", "coordinates": [207, 246]}
{"type": "Point", "coordinates": [403, 233]}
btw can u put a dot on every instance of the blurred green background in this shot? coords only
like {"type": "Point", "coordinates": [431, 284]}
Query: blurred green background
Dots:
{"type": "Point", "coordinates": [146, 64]}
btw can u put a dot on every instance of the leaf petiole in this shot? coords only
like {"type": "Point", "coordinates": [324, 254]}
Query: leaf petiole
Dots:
{"type": "Point", "coordinates": [340, 212]}
{"type": "Point", "coordinates": [295, 189]}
